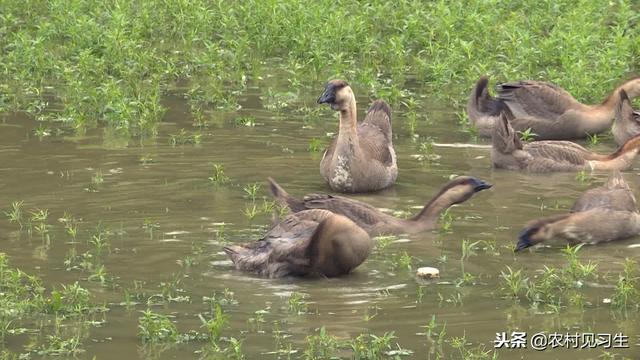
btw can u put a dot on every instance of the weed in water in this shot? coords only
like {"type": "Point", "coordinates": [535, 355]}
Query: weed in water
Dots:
{"type": "Point", "coordinates": [383, 242]}
{"type": "Point", "coordinates": [584, 177]}
{"type": "Point", "coordinates": [250, 212]}
{"type": "Point", "coordinates": [527, 135]}
{"type": "Point", "coordinates": [370, 346]}
{"type": "Point", "coordinates": [97, 178]}
{"type": "Point", "coordinates": [156, 328]}
{"type": "Point", "coordinates": [320, 346]}
{"type": "Point", "coordinates": [15, 214]}
{"type": "Point", "coordinates": [252, 190]}
{"type": "Point", "coordinates": [248, 121]}
{"type": "Point", "coordinates": [513, 282]}
{"type": "Point", "coordinates": [626, 292]}
{"type": "Point", "coordinates": [215, 325]}
{"type": "Point", "coordinates": [218, 177]}
{"type": "Point", "coordinates": [297, 303]}
{"type": "Point", "coordinates": [315, 145]}
{"type": "Point", "coordinates": [446, 221]}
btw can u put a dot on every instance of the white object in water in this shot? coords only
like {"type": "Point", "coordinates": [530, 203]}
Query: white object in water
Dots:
{"type": "Point", "coordinates": [428, 273]}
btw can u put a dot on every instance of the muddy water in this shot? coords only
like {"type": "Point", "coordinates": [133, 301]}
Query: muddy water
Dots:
{"type": "Point", "coordinates": [153, 182]}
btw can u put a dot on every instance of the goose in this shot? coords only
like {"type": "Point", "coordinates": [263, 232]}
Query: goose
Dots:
{"type": "Point", "coordinates": [508, 152]}
{"type": "Point", "coordinates": [307, 243]}
{"type": "Point", "coordinates": [375, 222]}
{"type": "Point", "coordinates": [548, 110]}
{"type": "Point", "coordinates": [361, 158]}
{"type": "Point", "coordinates": [627, 122]}
{"type": "Point", "coordinates": [602, 214]}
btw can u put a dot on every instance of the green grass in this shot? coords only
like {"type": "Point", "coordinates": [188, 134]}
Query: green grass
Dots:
{"type": "Point", "coordinates": [78, 63]}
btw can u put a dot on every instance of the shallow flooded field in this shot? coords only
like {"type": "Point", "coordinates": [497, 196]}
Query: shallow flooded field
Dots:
{"type": "Point", "coordinates": [140, 224]}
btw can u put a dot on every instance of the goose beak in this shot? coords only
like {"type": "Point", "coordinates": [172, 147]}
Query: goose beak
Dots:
{"type": "Point", "coordinates": [479, 185]}
{"type": "Point", "coordinates": [524, 240]}
{"type": "Point", "coordinates": [327, 97]}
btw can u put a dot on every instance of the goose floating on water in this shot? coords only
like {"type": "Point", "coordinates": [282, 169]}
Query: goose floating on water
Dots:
{"type": "Point", "coordinates": [508, 152]}
{"type": "Point", "coordinates": [602, 214]}
{"type": "Point", "coordinates": [307, 243]}
{"type": "Point", "coordinates": [548, 110]}
{"type": "Point", "coordinates": [361, 158]}
{"type": "Point", "coordinates": [375, 222]}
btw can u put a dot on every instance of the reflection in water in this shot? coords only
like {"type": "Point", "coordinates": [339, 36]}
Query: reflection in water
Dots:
{"type": "Point", "coordinates": [166, 224]}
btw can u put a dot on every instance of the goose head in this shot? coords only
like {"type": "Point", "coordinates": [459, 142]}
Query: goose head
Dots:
{"type": "Point", "coordinates": [462, 188]}
{"type": "Point", "coordinates": [338, 94]}
{"type": "Point", "coordinates": [539, 231]}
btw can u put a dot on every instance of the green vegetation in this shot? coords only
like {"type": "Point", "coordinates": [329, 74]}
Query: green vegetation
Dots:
{"type": "Point", "coordinates": [24, 295]}
{"type": "Point", "coordinates": [552, 288]}
{"type": "Point", "coordinates": [75, 64]}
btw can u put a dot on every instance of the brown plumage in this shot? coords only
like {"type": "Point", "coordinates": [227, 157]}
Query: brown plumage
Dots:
{"type": "Point", "coordinates": [307, 243]}
{"type": "Point", "coordinates": [375, 222]}
{"type": "Point", "coordinates": [627, 123]}
{"type": "Point", "coordinates": [361, 158]}
{"type": "Point", "coordinates": [547, 109]}
{"type": "Point", "coordinates": [509, 152]}
{"type": "Point", "coordinates": [605, 213]}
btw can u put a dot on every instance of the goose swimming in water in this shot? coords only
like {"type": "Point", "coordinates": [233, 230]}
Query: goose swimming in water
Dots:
{"type": "Point", "coordinates": [361, 158]}
{"type": "Point", "coordinates": [508, 152]}
{"type": "Point", "coordinates": [307, 243]}
{"type": "Point", "coordinates": [375, 222]}
{"type": "Point", "coordinates": [548, 110]}
{"type": "Point", "coordinates": [602, 214]}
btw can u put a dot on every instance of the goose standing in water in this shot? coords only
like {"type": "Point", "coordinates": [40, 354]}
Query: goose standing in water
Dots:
{"type": "Point", "coordinates": [361, 158]}
{"type": "Point", "coordinates": [508, 152]}
{"type": "Point", "coordinates": [375, 222]}
{"type": "Point", "coordinates": [307, 243]}
{"type": "Point", "coordinates": [627, 123]}
{"type": "Point", "coordinates": [548, 110]}
{"type": "Point", "coordinates": [602, 214]}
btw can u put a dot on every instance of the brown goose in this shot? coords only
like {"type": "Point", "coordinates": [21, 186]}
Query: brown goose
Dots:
{"type": "Point", "coordinates": [509, 152]}
{"type": "Point", "coordinates": [627, 123]}
{"type": "Point", "coordinates": [307, 243]}
{"type": "Point", "coordinates": [375, 222]}
{"type": "Point", "coordinates": [547, 109]}
{"type": "Point", "coordinates": [361, 158]}
{"type": "Point", "coordinates": [605, 213]}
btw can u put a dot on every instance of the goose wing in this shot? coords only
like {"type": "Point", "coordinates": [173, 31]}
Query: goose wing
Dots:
{"type": "Point", "coordinates": [379, 115]}
{"type": "Point", "coordinates": [536, 98]}
{"type": "Point", "coordinates": [559, 151]}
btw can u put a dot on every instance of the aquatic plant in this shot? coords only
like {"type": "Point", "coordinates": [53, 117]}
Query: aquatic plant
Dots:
{"type": "Point", "coordinates": [315, 145]}
{"type": "Point", "coordinates": [252, 190]}
{"type": "Point", "coordinates": [215, 325]}
{"type": "Point", "coordinates": [155, 328]}
{"type": "Point", "coordinates": [527, 135]}
{"type": "Point", "coordinates": [15, 214]}
{"type": "Point", "coordinates": [320, 345]}
{"type": "Point", "coordinates": [218, 176]}
{"type": "Point", "coordinates": [370, 346]}
{"type": "Point", "coordinates": [297, 303]}
{"type": "Point", "coordinates": [52, 49]}
{"type": "Point", "coordinates": [627, 291]}
{"type": "Point", "coordinates": [248, 121]}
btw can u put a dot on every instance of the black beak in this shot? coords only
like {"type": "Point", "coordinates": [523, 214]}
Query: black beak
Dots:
{"type": "Point", "coordinates": [328, 96]}
{"type": "Point", "coordinates": [524, 239]}
{"type": "Point", "coordinates": [479, 185]}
